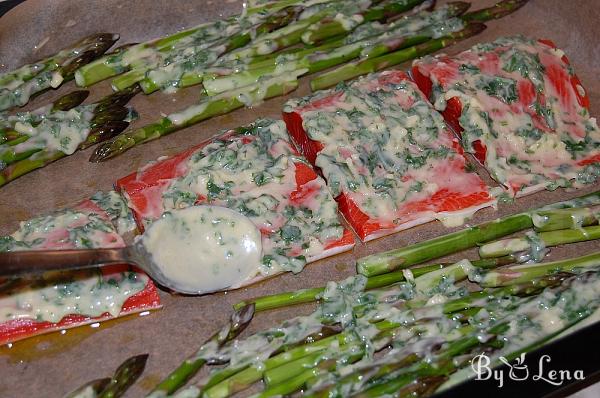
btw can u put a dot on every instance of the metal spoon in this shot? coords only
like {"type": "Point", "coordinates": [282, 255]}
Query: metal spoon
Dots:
{"type": "Point", "coordinates": [40, 261]}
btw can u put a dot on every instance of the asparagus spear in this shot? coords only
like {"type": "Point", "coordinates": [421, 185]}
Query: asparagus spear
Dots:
{"type": "Point", "coordinates": [457, 241]}
{"type": "Point", "coordinates": [565, 218]}
{"type": "Point", "coordinates": [317, 59]}
{"type": "Point", "coordinates": [497, 11]}
{"type": "Point", "coordinates": [126, 374]}
{"type": "Point", "coordinates": [239, 321]}
{"type": "Point", "coordinates": [391, 377]}
{"type": "Point", "coordinates": [18, 88]}
{"type": "Point", "coordinates": [311, 361]}
{"type": "Point", "coordinates": [362, 67]}
{"type": "Point", "coordinates": [278, 5]}
{"type": "Point", "coordinates": [335, 26]}
{"type": "Point", "coordinates": [96, 43]}
{"type": "Point", "coordinates": [64, 103]}
{"type": "Point", "coordinates": [176, 67]}
{"type": "Point", "coordinates": [293, 374]}
{"type": "Point", "coordinates": [103, 125]}
{"type": "Point", "coordinates": [183, 50]}
{"type": "Point", "coordinates": [117, 63]}
{"type": "Point", "coordinates": [86, 118]}
{"type": "Point", "coordinates": [208, 107]}
{"type": "Point", "coordinates": [377, 40]}
{"type": "Point", "coordinates": [545, 239]}
{"type": "Point", "coordinates": [280, 300]}
{"type": "Point", "coordinates": [519, 274]}
{"type": "Point", "coordinates": [219, 387]}
{"type": "Point", "coordinates": [70, 100]}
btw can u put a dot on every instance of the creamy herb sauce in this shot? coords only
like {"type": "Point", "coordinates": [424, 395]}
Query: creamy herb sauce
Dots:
{"type": "Point", "coordinates": [17, 87]}
{"type": "Point", "coordinates": [255, 173]}
{"type": "Point", "coordinates": [204, 248]}
{"type": "Point", "coordinates": [62, 131]}
{"type": "Point", "coordinates": [518, 101]}
{"type": "Point", "coordinates": [385, 148]}
{"type": "Point", "coordinates": [417, 323]}
{"type": "Point", "coordinates": [165, 61]}
{"type": "Point", "coordinates": [55, 295]}
{"type": "Point", "coordinates": [115, 206]}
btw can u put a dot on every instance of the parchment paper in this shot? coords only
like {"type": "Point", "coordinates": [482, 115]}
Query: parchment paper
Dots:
{"type": "Point", "coordinates": [52, 365]}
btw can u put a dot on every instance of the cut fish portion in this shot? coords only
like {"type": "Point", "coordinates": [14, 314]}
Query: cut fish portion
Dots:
{"type": "Point", "coordinates": [386, 155]}
{"type": "Point", "coordinates": [254, 170]}
{"type": "Point", "coordinates": [62, 300]}
{"type": "Point", "coordinates": [520, 109]}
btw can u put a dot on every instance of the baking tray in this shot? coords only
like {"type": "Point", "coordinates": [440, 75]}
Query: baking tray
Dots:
{"type": "Point", "coordinates": [54, 364]}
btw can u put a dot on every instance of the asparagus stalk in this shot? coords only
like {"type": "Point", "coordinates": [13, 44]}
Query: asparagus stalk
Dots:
{"type": "Point", "coordinates": [451, 243]}
{"type": "Point", "coordinates": [292, 34]}
{"type": "Point", "coordinates": [468, 337]}
{"type": "Point", "coordinates": [497, 11]}
{"type": "Point", "coordinates": [336, 26]}
{"type": "Point", "coordinates": [184, 49]}
{"type": "Point", "coordinates": [520, 274]}
{"type": "Point", "coordinates": [208, 107]}
{"type": "Point", "coordinates": [396, 37]}
{"type": "Point", "coordinates": [221, 387]}
{"type": "Point", "coordinates": [278, 39]}
{"type": "Point", "coordinates": [304, 364]}
{"type": "Point", "coordinates": [513, 350]}
{"type": "Point", "coordinates": [239, 321]}
{"type": "Point", "coordinates": [142, 53]}
{"type": "Point", "coordinates": [545, 239]}
{"type": "Point", "coordinates": [365, 66]}
{"type": "Point", "coordinates": [473, 27]}
{"type": "Point", "coordinates": [127, 374]}
{"type": "Point", "coordinates": [19, 88]}
{"type": "Point", "coordinates": [30, 160]}
{"type": "Point", "coordinates": [292, 375]}
{"type": "Point", "coordinates": [291, 363]}
{"type": "Point", "coordinates": [97, 43]}
{"type": "Point", "coordinates": [105, 124]}
{"type": "Point", "coordinates": [312, 62]}
{"type": "Point", "coordinates": [178, 69]}
{"type": "Point", "coordinates": [565, 218]}
{"type": "Point", "coordinates": [302, 296]}
{"type": "Point", "coordinates": [278, 5]}
{"type": "Point", "coordinates": [70, 101]}
{"type": "Point", "coordinates": [441, 365]}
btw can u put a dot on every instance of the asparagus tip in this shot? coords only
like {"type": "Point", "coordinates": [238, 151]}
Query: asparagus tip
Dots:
{"type": "Point", "coordinates": [472, 29]}
{"type": "Point", "coordinates": [242, 316]}
{"type": "Point", "coordinates": [103, 152]}
{"type": "Point", "coordinates": [457, 8]}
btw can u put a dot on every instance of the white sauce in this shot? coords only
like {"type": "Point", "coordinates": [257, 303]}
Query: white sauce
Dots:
{"type": "Point", "coordinates": [205, 248]}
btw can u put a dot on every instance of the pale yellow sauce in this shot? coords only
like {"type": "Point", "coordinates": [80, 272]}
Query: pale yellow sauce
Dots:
{"type": "Point", "coordinates": [205, 248]}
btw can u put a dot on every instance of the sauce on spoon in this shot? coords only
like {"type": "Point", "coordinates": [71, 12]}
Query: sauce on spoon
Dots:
{"type": "Point", "coordinates": [204, 248]}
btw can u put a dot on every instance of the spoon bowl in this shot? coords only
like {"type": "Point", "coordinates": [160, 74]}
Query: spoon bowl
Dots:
{"type": "Point", "coordinates": [174, 252]}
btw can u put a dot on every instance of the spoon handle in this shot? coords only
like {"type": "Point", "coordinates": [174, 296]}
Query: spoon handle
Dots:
{"type": "Point", "coordinates": [39, 261]}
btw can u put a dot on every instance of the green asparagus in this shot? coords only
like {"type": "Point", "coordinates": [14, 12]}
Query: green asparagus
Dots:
{"type": "Point", "coordinates": [460, 240]}
{"type": "Point", "coordinates": [208, 107]}
{"type": "Point", "coordinates": [127, 374]}
{"type": "Point", "coordinates": [372, 64]}
{"type": "Point", "coordinates": [16, 88]}
{"type": "Point", "coordinates": [21, 154]}
{"type": "Point", "coordinates": [543, 239]}
{"type": "Point", "coordinates": [362, 67]}
{"type": "Point", "coordinates": [239, 321]}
